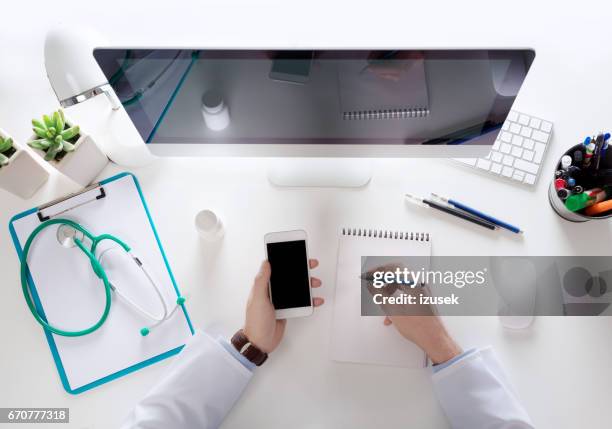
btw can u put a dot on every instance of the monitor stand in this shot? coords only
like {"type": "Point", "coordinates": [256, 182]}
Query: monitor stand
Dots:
{"type": "Point", "coordinates": [320, 172]}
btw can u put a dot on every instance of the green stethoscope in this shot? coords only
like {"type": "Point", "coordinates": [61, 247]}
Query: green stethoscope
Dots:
{"type": "Point", "coordinates": [72, 230]}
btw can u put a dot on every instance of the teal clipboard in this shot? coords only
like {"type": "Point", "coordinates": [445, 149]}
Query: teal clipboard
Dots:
{"type": "Point", "coordinates": [51, 341]}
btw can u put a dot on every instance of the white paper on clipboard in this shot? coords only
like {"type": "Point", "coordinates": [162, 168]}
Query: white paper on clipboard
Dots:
{"type": "Point", "coordinates": [118, 344]}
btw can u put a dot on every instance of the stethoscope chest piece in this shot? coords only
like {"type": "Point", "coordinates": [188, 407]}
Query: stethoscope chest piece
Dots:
{"type": "Point", "coordinates": [67, 234]}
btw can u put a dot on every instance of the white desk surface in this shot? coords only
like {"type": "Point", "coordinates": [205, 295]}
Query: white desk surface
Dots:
{"type": "Point", "coordinates": [561, 366]}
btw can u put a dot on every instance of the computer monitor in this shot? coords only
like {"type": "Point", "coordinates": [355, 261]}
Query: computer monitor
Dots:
{"type": "Point", "coordinates": [316, 103]}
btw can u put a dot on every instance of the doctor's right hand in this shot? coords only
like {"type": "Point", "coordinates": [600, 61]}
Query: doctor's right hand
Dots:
{"type": "Point", "coordinates": [418, 323]}
{"type": "Point", "coordinates": [261, 326]}
{"type": "Point", "coordinates": [429, 333]}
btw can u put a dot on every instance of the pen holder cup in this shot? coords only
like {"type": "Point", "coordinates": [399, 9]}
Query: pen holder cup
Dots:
{"type": "Point", "coordinates": [558, 204]}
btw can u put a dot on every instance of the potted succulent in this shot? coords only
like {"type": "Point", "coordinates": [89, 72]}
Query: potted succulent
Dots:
{"type": "Point", "coordinates": [67, 148]}
{"type": "Point", "coordinates": [20, 173]}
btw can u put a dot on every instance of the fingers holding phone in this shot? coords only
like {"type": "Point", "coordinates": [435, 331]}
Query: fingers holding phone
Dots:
{"type": "Point", "coordinates": [264, 324]}
{"type": "Point", "coordinates": [290, 282]}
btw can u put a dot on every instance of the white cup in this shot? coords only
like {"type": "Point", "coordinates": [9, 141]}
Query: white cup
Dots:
{"type": "Point", "coordinates": [209, 225]}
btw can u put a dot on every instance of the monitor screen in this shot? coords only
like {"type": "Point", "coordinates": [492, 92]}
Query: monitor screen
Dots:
{"type": "Point", "coordinates": [390, 97]}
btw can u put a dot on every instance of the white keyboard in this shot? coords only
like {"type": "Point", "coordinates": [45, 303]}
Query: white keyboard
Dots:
{"type": "Point", "coordinates": [519, 150]}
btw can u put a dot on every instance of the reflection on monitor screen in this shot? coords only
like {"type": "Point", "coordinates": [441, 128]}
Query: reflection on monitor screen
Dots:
{"type": "Point", "coordinates": [400, 97]}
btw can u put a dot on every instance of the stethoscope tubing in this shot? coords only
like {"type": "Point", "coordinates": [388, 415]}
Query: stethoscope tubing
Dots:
{"type": "Point", "coordinates": [25, 275]}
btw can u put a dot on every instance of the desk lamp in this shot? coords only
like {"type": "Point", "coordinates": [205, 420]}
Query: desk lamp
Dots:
{"type": "Point", "coordinates": [75, 78]}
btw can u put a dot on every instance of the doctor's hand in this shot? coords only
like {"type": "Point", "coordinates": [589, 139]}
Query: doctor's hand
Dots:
{"type": "Point", "coordinates": [429, 333]}
{"type": "Point", "coordinates": [416, 322]}
{"type": "Point", "coordinates": [261, 326]}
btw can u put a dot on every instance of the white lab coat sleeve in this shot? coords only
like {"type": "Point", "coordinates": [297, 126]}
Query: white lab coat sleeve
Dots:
{"type": "Point", "coordinates": [199, 390]}
{"type": "Point", "coordinates": [475, 393]}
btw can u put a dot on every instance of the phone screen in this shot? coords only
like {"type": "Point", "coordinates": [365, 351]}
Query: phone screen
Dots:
{"type": "Point", "coordinates": [289, 283]}
{"type": "Point", "coordinates": [292, 66]}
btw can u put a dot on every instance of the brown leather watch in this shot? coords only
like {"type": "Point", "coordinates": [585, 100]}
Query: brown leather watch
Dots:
{"type": "Point", "coordinates": [247, 349]}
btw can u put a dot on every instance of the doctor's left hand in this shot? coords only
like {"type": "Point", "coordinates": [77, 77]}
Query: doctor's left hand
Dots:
{"type": "Point", "coordinates": [261, 326]}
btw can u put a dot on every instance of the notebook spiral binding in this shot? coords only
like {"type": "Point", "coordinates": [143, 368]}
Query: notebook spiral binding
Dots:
{"type": "Point", "coordinates": [381, 233]}
{"type": "Point", "coordinates": [386, 114]}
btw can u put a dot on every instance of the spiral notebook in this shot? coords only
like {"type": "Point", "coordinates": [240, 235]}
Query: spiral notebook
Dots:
{"type": "Point", "coordinates": [364, 339]}
{"type": "Point", "coordinates": [366, 93]}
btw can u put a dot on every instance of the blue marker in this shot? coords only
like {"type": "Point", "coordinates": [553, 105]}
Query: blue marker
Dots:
{"type": "Point", "coordinates": [571, 182]}
{"type": "Point", "coordinates": [479, 214]}
{"type": "Point", "coordinates": [605, 144]}
{"type": "Point", "coordinates": [587, 141]}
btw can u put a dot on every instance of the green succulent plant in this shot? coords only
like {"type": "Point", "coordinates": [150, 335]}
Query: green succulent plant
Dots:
{"type": "Point", "coordinates": [6, 144]}
{"type": "Point", "coordinates": [54, 135]}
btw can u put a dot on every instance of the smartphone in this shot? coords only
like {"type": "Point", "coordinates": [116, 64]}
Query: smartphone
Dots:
{"type": "Point", "coordinates": [291, 66]}
{"type": "Point", "coordinates": [287, 253]}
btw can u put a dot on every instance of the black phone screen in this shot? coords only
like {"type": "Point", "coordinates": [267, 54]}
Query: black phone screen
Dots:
{"type": "Point", "coordinates": [289, 282]}
{"type": "Point", "coordinates": [293, 63]}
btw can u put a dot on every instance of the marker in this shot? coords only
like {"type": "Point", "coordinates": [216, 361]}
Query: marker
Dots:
{"type": "Point", "coordinates": [577, 189]}
{"type": "Point", "coordinates": [566, 161]}
{"type": "Point", "coordinates": [451, 211]}
{"type": "Point", "coordinates": [479, 214]}
{"type": "Point", "coordinates": [571, 182]}
{"type": "Point", "coordinates": [563, 193]}
{"type": "Point", "coordinates": [560, 184]}
{"type": "Point", "coordinates": [577, 157]}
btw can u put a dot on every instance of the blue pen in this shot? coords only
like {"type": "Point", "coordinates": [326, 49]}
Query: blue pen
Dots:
{"type": "Point", "coordinates": [479, 214]}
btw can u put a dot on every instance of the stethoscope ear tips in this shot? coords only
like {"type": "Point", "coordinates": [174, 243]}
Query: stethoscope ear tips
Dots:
{"type": "Point", "coordinates": [144, 332]}
{"type": "Point", "coordinates": [180, 300]}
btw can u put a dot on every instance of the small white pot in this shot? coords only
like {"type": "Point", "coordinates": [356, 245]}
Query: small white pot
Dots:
{"type": "Point", "coordinates": [23, 175]}
{"type": "Point", "coordinates": [82, 165]}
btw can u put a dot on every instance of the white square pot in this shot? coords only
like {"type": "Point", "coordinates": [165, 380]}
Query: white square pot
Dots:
{"type": "Point", "coordinates": [23, 175]}
{"type": "Point", "coordinates": [82, 165]}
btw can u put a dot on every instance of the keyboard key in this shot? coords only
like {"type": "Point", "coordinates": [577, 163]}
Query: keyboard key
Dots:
{"type": "Point", "coordinates": [507, 171]}
{"type": "Point", "coordinates": [539, 152]}
{"type": "Point", "coordinates": [517, 151]}
{"type": "Point", "coordinates": [507, 125]}
{"type": "Point", "coordinates": [528, 144]}
{"type": "Point", "coordinates": [517, 140]}
{"type": "Point", "coordinates": [506, 137]}
{"type": "Point", "coordinates": [518, 175]}
{"type": "Point", "coordinates": [468, 161]}
{"type": "Point", "coordinates": [513, 116]}
{"type": "Point", "coordinates": [496, 145]}
{"type": "Point", "coordinates": [526, 132]}
{"type": "Point", "coordinates": [483, 164]}
{"type": "Point", "coordinates": [527, 166]}
{"type": "Point", "coordinates": [540, 136]}
{"type": "Point", "coordinates": [535, 123]}
{"type": "Point", "coordinates": [515, 128]}
{"type": "Point", "coordinates": [508, 160]}
{"type": "Point", "coordinates": [530, 179]}
{"type": "Point", "coordinates": [496, 156]}
{"type": "Point", "coordinates": [496, 168]}
{"type": "Point", "coordinates": [523, 120]}
{"type": "Point", "coordinates": [505, 148]}
{"type": "Point", "coordinates": [546, 127]}
{"type": "Point", "coordinates": [528, 155]}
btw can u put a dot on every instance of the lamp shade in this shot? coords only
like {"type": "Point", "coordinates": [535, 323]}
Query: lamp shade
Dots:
{"type": "Point", "coordinates": [71, 68]}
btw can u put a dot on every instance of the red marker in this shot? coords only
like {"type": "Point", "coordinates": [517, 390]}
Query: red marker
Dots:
{"type": "Point", "coordinates": [560, 184]}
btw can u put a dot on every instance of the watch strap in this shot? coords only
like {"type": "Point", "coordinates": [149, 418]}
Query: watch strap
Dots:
{"type": "Point", "coordinates": [247, 349]}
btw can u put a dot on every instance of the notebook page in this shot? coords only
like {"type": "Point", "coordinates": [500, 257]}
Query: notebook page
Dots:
{"type": "Point", "coordinates": [363, 89]}
{"type": "Point", "coordinates": [364, 339]}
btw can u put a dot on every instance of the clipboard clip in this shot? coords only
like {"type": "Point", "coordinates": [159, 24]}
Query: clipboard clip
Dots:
{"type": "Point", "coordinates": [101, 194]}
